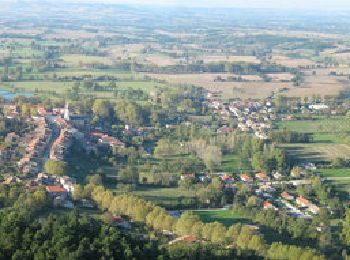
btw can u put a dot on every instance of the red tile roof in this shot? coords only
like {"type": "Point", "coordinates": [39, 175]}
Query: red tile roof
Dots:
{"type": "Point", "coordinates": [188, 239]}
{"type": "Point", "coordinates": [55, 188]}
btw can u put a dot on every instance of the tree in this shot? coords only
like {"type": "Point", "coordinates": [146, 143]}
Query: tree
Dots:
{"type": "Point", "coordinates": [345, 234]}
{"type": "Point", "coordinates": [186, 222]}
{"type": "Point", "coordinates": [56, 167]}
{"type": "Point", "coordinates": [101, 108]}
{"type": "Point", "coordinates": [212, 157]}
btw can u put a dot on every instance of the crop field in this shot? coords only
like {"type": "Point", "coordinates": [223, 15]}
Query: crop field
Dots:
{"type": "Point", "coordinates": [229, 89]}
{"type": "Point", "coordinates": [31, 86]}
{"type": "Point", "coordinates": [75, 59]}
{"type": "Point", "coordinates": [290, 62]}
{"type": "Point", "coordinates": [222, 58]}
{"type": "Point", "coordinates": [317, 85]}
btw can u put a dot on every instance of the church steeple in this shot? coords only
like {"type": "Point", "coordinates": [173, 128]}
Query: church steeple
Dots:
{"type": "Point", "coordinates": [66, 111]}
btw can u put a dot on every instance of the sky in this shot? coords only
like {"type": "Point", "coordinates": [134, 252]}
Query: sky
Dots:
{"type": "Point", "coordinates": [276, 4]}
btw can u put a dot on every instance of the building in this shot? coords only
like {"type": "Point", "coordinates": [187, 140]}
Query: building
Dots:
{"type": "Point", "coordinates": [261, 176]}
{"type": "Point", "coordinates": [57, 191]}
{"type": "Point", "coordinates": [285, 195]}
{"type": "Point", "coordinates": [303, 201]}
{"type": "Point", "coordinates": [246, 178]}
{"type": "Point", "coordinates": [186, 239]}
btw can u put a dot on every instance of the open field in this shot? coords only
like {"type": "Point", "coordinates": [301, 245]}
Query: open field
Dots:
{"type": "Point", "coordinates": [317, 152]}
{"type": "Point", "coordinates": [31, 86]}
{"type": "Point", "coordinates": [333, 125]}
{"type": "Point", "coordinates": [226, 217]}
{"type": "Point", "coordinates": [166, 197]}
{"type": "Point", "coordinates": [317, 85]}
{"type": "Point", "coordinates": [228, 58]}
{"type": "Point", "coordinates": [289, 62]}
{"type": "Point", "coordinates": [75, 59]}
{"type": "Point", "coordinates": [230, 163]}
{"type": "Point", "coordinates": [95, 73]}
{"type": "Point", "coordinates": [345, 172]}
{"type": "Point", "coordinates": [229, 89]}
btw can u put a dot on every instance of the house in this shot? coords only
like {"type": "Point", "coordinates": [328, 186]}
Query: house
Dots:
{"type": "Point", "coordinates": [224, 130]}
{"type": "Point", "coordinates": [11, 179]}
{"type": "Point", "coordinates": [285, 195]}
{"type": "Point", "coordinates": [302, 201]}
{"type": "Point", "coordinates": [266, 188]}
{"type": "Point", "coordinates": [246, 178]}
{"type": "Point", "coordinates": [70, 187]}
{"type": "Point", "coordinates": [111, 141]}
{"type": "Point", "coordinates": [268, 205]}
{"type": "Point", "coordinates": [227, 179]}
{"type": "Point", "coordinates": [187, 239]}
{"type": "Point", "coordinates": [119, 221]}
{"type": "Point", "coordinates": [57, 191]}
{"type": "Point", "coordinates": [185, 176]}
{"type": "Point", "coordinates": [277, 175]}
{"type": "Point", "coordinates": [314, 209]}
{"type": "Point", "coordinates": [261, 176]}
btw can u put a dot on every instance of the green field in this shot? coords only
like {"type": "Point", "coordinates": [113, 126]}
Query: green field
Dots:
{"type": "Point", "coordinates": [230, 163]}
{"type": "Point", "coordinates": [335, 172]}
{"type": "Point", "coordinates": [165, 197]}
{"type": "Point", "coordinates": [31, 86]}
{"type": "Point", "coordinates": [329, 139]}
{"type": "Point", "coordinates": [226, 217]}
{"type": "Point", "coordinates": [324, 125]}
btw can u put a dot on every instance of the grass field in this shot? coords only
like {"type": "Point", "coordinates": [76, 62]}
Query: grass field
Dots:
{"type": "Point", "coordinates": [328, 139]}
{"type": "Point", "coordinates": [75, 59]}
{"type": "Point", "coordinates": [165, 197]}
{"type": "Point", "coordinates": [31, 86]}
{"type": "Point", "coordinates": [335, 172]}
{"type": "Point", "coordinates": [317, 152]}
{"type": "Point", "coordinates": [332, 125]}
{"type": "Point", "coordinates": [230, 163]}
{"type": "Point", "coordinates": [226, 217]}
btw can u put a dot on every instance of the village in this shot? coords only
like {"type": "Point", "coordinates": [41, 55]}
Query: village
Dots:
{"type": "Point", "coordinates": [50, 135]}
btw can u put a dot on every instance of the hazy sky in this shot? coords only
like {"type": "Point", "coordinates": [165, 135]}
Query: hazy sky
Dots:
{"type": "Point", "coordinates": [295, 4]}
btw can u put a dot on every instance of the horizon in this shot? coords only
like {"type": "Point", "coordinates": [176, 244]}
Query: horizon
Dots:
{"type": "Point", "coordinates": [297, 5]}
{"type": "Point", "coordinates": [310, 5]}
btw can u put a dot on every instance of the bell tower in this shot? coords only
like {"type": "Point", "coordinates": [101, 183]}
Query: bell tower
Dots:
{"type": "Point", "coordinates": [66, 111]}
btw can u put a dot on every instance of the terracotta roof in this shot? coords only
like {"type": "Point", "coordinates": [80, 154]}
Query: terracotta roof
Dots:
{"type": "Point", "coordinates": [261, 175]}
{"type": "Point", "coordinates": [303, 201]}
{"type": "Point", "coordinates": [285, 194]}
{"type": "Point", "coordinates": [267, 205]}
{"type": "Point", "coordinates": [97, 134]}
{"type": "Point", "coordinates": [55, 188]}
{"type": "Point", "coordinates": [246, 177]}
{"type": "Point", "coordinates": [188, 239]}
